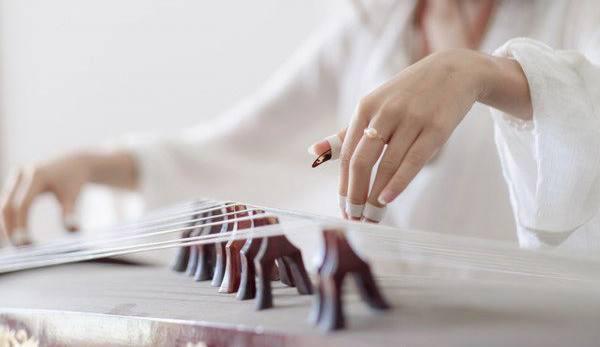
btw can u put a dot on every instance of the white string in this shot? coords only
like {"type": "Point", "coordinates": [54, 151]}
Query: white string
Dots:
{"type": "Point", "coordinates": [265, 231]}
{"type": "Point", "coordinates": [90, 241]}
{"type": "Point", "coordinates": [450, 251]}
{"type": "Point", "coordinates": [104, 238]}
{"type": "Point", "coordinates": [190, 225]}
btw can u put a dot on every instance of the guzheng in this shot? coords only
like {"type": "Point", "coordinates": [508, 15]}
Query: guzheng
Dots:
{"type": "Point", "coordinates": [246, 275]}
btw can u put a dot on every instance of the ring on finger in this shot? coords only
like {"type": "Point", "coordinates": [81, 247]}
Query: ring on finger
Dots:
{"type": "Point", "coordinates": [372, 133]}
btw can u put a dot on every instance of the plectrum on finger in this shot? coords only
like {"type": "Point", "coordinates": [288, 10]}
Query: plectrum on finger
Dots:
{"type": "Point", "coordinates": [354, 210]}
{"type": "Point", "coordinates": [373, 213]}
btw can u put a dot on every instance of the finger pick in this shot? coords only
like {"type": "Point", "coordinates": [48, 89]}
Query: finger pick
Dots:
{"type": "Point", "coordinates": [374, 213]}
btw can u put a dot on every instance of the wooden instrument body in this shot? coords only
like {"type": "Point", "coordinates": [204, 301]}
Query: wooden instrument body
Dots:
{"type": "Point", "coordinates": [445, 291]}
{"type": "Point", "coordinates": [98, 304]}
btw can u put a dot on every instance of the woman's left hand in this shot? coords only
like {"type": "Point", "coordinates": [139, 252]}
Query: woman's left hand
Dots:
{"type": "Point", "coordinates": [406, 121]}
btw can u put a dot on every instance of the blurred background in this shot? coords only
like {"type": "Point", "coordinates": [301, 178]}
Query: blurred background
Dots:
{"type": "Point", "coordinates": [79, 72]}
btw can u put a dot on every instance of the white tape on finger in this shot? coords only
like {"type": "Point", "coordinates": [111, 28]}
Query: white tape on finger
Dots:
{"type": "Point", "coordinates": [336, 146]}
{"type": "Point", "coordinates": [374, 213]}
{"type": "Point", "coordinates": [354, 210]}
{"type": "Point", "coordinates": [342, 202]}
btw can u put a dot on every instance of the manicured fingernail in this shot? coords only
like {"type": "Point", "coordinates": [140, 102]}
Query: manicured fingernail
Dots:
{"type": "Point", "coordinates": [322, 158]}
{"type": "Point", "coordinates": [71, 222]}
{"type": "Point", "coordinates": [19, 238]}
{"type": "Point", "coordinates": [385, 197]}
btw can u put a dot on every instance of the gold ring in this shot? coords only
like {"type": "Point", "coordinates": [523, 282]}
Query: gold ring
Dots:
{"type": "Point", "coordinates": [372, 133]}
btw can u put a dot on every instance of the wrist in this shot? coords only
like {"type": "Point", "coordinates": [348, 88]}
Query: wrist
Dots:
{"type": "Point", "coordinates": [85, 162]}
{"type": "Point", "coordinates": [486, 76]}
{"type": "Point", "coordinates": [504, 86]}
{"type": "Point", "coordinates": [114, 168]}
{"type": "Point", "coordinates": [473, 69]}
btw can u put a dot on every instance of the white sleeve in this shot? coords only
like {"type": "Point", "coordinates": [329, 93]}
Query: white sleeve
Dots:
{"type": "Point", "coordinates": [552, 164]}
{"type": "Point", "coordinates": [258, 146]}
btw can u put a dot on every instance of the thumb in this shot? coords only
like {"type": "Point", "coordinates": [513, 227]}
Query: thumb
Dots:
{"type": "Point", "coordinates": [328, 148]}
{"type": "Point", "coordinates": [70, 218]}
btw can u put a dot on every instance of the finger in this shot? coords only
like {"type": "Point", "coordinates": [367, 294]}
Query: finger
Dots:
{"type": "Point", "coordinates": [365, 156]}
{"type": "Point", "coordinates": [333, 142]}
{"type": "Point", "coordinates": [342, 205]}
{"type": "Point", "coordinates": [8, 216]}
{"type": "Point", "coordinates": [388, 165]}
{"type": "Point", "coordinates": [353, 136]}
{"type": "Point", "coordinates": [30, 187]}
{"type": "Point", "coordinates": [417, 156]}
{"type": "Point", "coordinates": [67, 203]}
{"type": "Point", "coordinates": [327, 149]}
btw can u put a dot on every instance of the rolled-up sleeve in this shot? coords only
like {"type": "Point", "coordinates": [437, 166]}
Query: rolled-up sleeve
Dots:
{"type": "Point", "coordinates": [552, 163]}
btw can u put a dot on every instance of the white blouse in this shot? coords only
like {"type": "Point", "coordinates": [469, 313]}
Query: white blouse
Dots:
{"type": "Point", "coordinates": [257, 151]}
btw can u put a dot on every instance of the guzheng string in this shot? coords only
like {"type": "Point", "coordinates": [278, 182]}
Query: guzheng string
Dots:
{"type": "Point", "coordinates": [176, 241]}
{"type": "Point", "coordinates": [190, 224]}
{"type": "Point", "coordinates": [265, 231]}
{"type": "Point", "coordinates": [136, 232]}
{"type": "Point", "coordinates": [130, 229]}
{"type": "Point", "coordinates": [214, 238]}
{"type": "Point", "coordinates": [189, 211]}
{"type": "Point", "coordinates": [119, 239]}
{"type": "Point", "coordinates": [489, 258]}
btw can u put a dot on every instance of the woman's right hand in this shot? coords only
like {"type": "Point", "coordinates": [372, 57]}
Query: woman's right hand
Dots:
{"type": "Point", "coordinates": [63, 177]}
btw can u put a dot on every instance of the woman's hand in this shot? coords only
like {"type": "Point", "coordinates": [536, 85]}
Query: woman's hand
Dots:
{"type": "Point", "coordinates": [64, 178]}
{"type": "Point", "coordinates": [406, 121]}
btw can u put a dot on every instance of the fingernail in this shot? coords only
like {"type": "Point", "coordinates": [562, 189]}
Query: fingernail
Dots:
{"type": "Point", "coordinates": [354, 210]}
{"type": "Point", "coordinates": [322, 158]}
{"type": "Point", "coordinates": [385, 197]}
{"type": "Point", "coordinates": [71, 222]}
{"type": "Point", "coordinates": [311, 150]}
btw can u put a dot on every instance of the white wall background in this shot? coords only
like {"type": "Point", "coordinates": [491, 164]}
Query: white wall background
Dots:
{"type": "Point", "coordinates": [78, 72]}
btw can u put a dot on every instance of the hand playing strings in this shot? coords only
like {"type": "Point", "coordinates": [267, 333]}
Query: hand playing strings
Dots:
{"type": "Point", "coordinates": [404, 122]}
{"type": "Point", "coordinates": [64, 178]}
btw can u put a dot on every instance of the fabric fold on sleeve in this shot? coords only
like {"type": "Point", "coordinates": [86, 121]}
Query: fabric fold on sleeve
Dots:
{"type": "Point", "coordinates": [552, 163]}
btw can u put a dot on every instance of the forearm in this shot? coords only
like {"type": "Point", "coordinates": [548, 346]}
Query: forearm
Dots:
{"type": "Point", "coordinates": [113, 168]}
{"type": "Point", "coordinates": [505, 87]}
